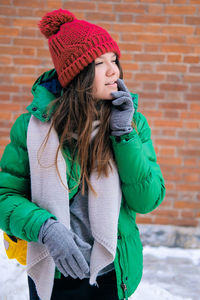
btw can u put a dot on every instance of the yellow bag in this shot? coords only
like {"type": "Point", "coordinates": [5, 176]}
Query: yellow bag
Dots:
{"type": "Point", "coordinates": [15, 248]}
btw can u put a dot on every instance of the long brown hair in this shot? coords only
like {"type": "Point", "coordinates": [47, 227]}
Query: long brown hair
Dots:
{"type": "Point", "coordinates": [75, 112]}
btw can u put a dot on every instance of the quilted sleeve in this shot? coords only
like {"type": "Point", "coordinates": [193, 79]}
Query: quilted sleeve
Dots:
{"type": "Point", "coordinates": [141, 178]}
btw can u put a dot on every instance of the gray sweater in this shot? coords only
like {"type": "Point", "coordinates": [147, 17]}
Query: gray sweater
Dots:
{"type": "Point", "coordinates": [80, 224]}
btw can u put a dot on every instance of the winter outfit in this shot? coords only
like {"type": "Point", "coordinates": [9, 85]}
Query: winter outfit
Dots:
{"type": "Point", "coordinates": [34, 202]}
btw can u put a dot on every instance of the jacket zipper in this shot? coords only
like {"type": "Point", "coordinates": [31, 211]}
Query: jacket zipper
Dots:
{"type": "Point", "coordinates": [123, 285]}
{"type": "Point", "coordinates": [124, 288]}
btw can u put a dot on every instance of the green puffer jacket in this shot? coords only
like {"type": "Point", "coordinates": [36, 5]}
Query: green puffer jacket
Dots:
{"type": "Point", "coordinates": [141, 182]}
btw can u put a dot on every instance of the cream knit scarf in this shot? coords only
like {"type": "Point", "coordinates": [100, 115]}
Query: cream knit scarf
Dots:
{"type": "Point", "coordinates": [48, 192]}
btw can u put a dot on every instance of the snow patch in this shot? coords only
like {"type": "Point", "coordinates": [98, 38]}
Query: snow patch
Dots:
{"type": "Point", "coordinates": [164, 252]}
{"type": "Point", "coordinates": [147, 291]}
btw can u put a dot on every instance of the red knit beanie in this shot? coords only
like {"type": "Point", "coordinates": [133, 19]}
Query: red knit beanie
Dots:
{"type": "Point", "coordinates": [74, 43]}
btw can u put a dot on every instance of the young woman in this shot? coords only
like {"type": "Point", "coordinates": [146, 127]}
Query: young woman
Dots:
{"type": "Point", "coordinates": [79, 166]}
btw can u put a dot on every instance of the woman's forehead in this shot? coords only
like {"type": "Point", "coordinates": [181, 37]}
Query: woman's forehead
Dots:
{"type": "Point", "coordinates": [108, 54]}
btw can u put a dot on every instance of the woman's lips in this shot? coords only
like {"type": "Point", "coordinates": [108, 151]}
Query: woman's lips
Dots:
{"type": "Point", "coordinates": [112, 85]}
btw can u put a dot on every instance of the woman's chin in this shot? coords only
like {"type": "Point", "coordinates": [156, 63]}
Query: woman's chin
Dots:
{"type": "Point", "coordinates": [108, 97]}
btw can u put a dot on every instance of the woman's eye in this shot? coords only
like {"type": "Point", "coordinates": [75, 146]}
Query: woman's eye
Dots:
{"type": "Point", "coordinates": [100, 63]}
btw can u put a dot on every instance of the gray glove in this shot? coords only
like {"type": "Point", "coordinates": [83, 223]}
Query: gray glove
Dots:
{"type": "Point", "coordinates": [122, 110]}
{"type": "Point", "coordinates": [63, 245]}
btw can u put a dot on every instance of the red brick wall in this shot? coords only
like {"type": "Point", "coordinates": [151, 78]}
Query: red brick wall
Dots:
{"type": "Point", "coordinates": [160, 44]}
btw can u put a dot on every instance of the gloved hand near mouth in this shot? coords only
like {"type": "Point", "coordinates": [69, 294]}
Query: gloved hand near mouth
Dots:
{"type": "Point", "coordinates": [122, 110]}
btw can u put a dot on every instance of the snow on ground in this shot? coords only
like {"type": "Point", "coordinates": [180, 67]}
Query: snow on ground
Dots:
{"type": "Point", "coordinates": [147, 291]}
{"type": "Point", "coordinates": [164, 252]}
{"type": "Point", "coordinates": [13, 279]}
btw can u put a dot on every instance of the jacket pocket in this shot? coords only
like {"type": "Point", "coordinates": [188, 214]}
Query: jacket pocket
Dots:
{"type": "Point", "coordinates": [133, 250]}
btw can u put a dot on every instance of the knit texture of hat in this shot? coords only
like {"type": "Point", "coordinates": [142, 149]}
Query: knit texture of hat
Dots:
{"type": "Point", "coordinates": [74, 43]}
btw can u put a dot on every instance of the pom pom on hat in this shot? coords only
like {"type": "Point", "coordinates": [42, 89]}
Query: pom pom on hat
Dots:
{"type": "Point", "coordinates": [51, 22]}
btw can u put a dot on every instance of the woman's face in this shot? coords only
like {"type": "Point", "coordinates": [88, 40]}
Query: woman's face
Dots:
{"type": "Point", "coordinates": [106, 75]}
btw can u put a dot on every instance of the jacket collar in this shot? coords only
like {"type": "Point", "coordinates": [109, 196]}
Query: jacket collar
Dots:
{"type": "Point", "coordinates": [46, 89]}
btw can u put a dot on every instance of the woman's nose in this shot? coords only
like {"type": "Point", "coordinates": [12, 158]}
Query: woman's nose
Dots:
{"type": "Point", "coordinates": [110, 70]}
